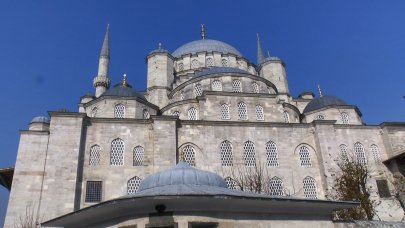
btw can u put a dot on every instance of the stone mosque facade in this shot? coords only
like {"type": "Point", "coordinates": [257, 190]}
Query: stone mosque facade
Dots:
{"type": "Point", "coordinates": [206, 107]}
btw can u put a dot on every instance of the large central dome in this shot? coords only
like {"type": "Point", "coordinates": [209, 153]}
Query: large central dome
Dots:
{"type": "Point", "coordinates": [205, 45]}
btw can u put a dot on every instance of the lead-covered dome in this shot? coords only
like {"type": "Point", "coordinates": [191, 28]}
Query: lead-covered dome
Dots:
{"type": "Point", "coordinates": [40, 119]}
{"type": "Point", "coordinates": [123, 90]}
{"type": "Point", "coordinates": [205, 45]}
{"type": "Point", "coordinates": [322, 102]}
{"type": "Point", "coordinates": [182, 174]}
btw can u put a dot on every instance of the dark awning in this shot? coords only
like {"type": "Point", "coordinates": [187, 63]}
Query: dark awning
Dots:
{"type": "Point", "coordinates": [6, 177]}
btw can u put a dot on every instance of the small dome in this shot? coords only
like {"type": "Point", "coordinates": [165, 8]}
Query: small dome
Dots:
{"type": "Point", "coordinates": [182, 174]}
{"type": "Point", "coordinates": [205, 45]}
{"type": "Point", "coordinates": [322, 102]}
{"type": "Point", "coordinates": [40, 119]}
{"type": "Point", "coordinates": [121, 90]}
{"type": "Point", "coordinates": [160, 50]}
{"type": "Point", "coordinates": [217, 70]}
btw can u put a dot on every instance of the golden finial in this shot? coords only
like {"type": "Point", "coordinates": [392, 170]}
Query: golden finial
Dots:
{"type": "Point", "coordinates": [124, 80]}
{"type": "Point", "coordinates": [320, 91]}
{"type": "Point", "coordinates": [181, 156]}
{"type": "Point", "coordinates": [202, 31]}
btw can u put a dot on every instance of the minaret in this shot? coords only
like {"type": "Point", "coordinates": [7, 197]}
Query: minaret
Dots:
{"type": "Point", "coordinates": [101, 82]}
{"type": "Point", "coordinates": [260, 56]}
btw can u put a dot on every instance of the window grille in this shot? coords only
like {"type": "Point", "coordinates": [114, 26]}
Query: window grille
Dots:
{"type": "Point", "coordinates": [216, 85]}
{"type": "Point", "coordinates": [231, 183]}
{"type": "Point", "coordinates": [305, 156]}
{"type": "Point", "coordinates": [237, 86]}
{"type": "Point", "coordinates": [343, 151]}
{"type": "Point", "coordinates": [94, 155]}
{"type": "Point", "coordinates": [133, 185]}
{"type": "Point", "coordinates": [276, 187]}
{"type": "Point", "coordinates": [320, 117]}
{"type": "Point", "coordinates": [249, 154]}
{"type": "Point", "coordinates": [345, 118]}
{"type": "Point", "coordinates": [360, 155]}
{"type": "Point", "coordinates": [176, 113]}
{"type": "Point", "coordinates": [94, 112]}
{"type": "Point", "coordinates": [139, 153]}
{"type": "Point", "coordinates": [259, 113]}
{"type": "Point", "coordinates": [94, 191]}
{"type": "Point", "coordinates": [146, 114]}
{"type": "Point", "coordinates": [309, 188]}
{"type": "Point", "coordinates": [224, 62]}
{"type": "Point", "coordinates": [383, 190]}
{"type": "Point", "coordinates": [255, 87]}
{"type": "Point", "coordinates": [272, 155]}
{"type": "Point", "coordinates": [188, 155]}
{"type": "Point", "coordinates": [192, 114]}
{"type": "Point", "coordinates": [117, 152]}
{"type": "Point", "coordinates": [376, 154]}
{"type": "Point", "coordinates": [225, 112]}
{"type": "Point", "coordinates": [286, 117]}
{"type": "Point", "coordinates": [181, 66]}
{"type": "Point", "coordinates": [198, 90]}
{"type": "Point", "coordinates": [226, 153]}
{"type": "Point", "coordinates": [195, 64]}
{"type": "Point", "coordinates": [242, 111]}
{"type": "Point", "coordinates": [119, 111]}
{"type": "Point", "coordinates": [209, 62]}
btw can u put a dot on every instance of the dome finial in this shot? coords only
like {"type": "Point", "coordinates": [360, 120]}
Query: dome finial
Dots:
{"type": "Point", "coordinates": [160, 46]}
{"type": "Point", "coordinates": [320, 91]}
{"type": "Point", "coordinates": [202, 31]}
{"type": "Point", "coordinates": [124, 80]}
{"type": "Point", "coordinates": [260, 56]}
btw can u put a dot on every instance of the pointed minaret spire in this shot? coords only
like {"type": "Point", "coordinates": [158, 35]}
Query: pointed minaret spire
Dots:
{"type": "Point", "coordinates": [260, 56]}
{"type": "Point", "coordinates": [101, 82]}
{"type": "Point", "coordinates": [202, 31]}
{"type": "Point", "coordinates": [320, 91]}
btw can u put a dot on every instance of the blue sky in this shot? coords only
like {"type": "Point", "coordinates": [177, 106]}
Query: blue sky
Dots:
{"type": "Point", "coordinates": [49, 50]}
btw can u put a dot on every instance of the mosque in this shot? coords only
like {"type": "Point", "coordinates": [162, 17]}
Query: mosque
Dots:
{"type": "Point", "coordinates": [163, 157]}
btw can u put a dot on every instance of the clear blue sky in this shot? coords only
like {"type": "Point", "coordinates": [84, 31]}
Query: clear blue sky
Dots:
{"type": "Point", "coordinates": [49, 50]}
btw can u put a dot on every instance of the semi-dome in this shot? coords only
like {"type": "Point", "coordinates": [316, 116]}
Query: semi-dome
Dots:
{"type": "Point", "coordinates": [322, 102]}
{"type": "Point", "coordinates": [40, 119]}
{"type": "Point", "coordinates": [205, 45]}
{"type": "Point", "coordinates": [182, 174]}
{"type": "Point", "coordinates": [123, 90]}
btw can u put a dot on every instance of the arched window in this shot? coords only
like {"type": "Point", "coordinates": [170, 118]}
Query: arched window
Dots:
{"type": "Point", "coordinates": [255, 87]}
{"type": "Point", "coordinates": [320, 117]}
{"type": "Point", "coordinates": [195, 64]}
{"type": "Point", "coordinates": [225, 112]}
{"type": "Point", "coordinates": [188, 155]}
{"type": "Point", "coordinates": [176, 113]}
{"type": "Point", "coordinates": [360, 155]}
{"type": "Point", "coordinates": [249, 154]}
{"type": "Point", "coordinates": [209, 62]}
{"type": "Point", "coordinates": [343, 151]}
{"type": "Point", "coordinates": [226, 153]}
{"type": "Point", "coordinates": [224, 62]}
{"type": "Point", "coordinates": [192, 114]}
{"type": "Point", "coordinates": [242, 111]}
{"type": "Point", "coordinates": [146, 114]}
{"type": "Point", "coordinates": [117, 152]}
{"type": "Point", "coordinates": [231, 183]}
{"type": "Point", "coordinates": [376, 154]}
{"type": "Point", "coordinates": [305, 156]}
{"type": "Point", "coordinates": [276, 186]}
{"type": "Point", "coordinates": [259, 113]}
{"type": "Point", "coordinates": [286, 117]}
{"type": "Point", "coordinates": [139, 153]}
{"type": "Point", "coordinates": [94, 158]}
{"type": "Point", "coordinates": [309, 188]}
{"type": "Point", "coordinates": [133, 185]}
{"type": "Point", "coordinates": [237, 86]}
{"type": "Point", "coordinates": [216, 85]}
{"type": "Point", "coordinates": [180, 66]}
{"type": "Point", "coordinates": [94, 112]}
{"type": "Point", "coordinates": [198, 90]}
{"type": "Point", "coordinates": [119, 111]}
{"type": "Point", "coordinates": [272, 155]}
{"type": "Point", "coordinates": [344, 117]}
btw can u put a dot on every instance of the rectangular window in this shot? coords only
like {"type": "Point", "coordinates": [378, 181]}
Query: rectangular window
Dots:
{"type": "Point", "coordinates": [202, 225]}
{"type": "Point", "coordinates": [93, 191]}
{"type": "Point", "coordinates": [383, 189]}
